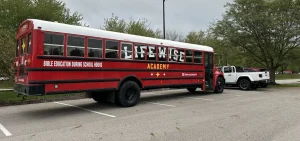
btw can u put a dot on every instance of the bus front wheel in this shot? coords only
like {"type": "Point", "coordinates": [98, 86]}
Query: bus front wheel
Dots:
{"type": "Point", "coordinates": [220, 84]}
{"type": "Point", "coordinates": [129, 94]}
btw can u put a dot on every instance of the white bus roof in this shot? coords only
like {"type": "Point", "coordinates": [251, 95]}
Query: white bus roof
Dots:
{"type": "Point", "coordinates": [86, 31]}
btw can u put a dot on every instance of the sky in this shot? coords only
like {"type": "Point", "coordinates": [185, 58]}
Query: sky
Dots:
{"type": "Point", "coordinates": [182, 16]}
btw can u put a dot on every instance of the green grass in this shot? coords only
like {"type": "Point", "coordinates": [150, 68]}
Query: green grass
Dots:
{"type": "Point", "coordinates": [4, 84]}
{"type": "Point", "coordinates": [287, 76]}
{"type": "Point", "coordinates": [285, 85]}
{"type": "Point", "coordinates": [11, 98]}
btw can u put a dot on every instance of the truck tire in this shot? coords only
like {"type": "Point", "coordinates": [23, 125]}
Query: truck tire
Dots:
{"type": "Point", "coordinates": [220, 84]}
{"type": "Point", "coordinates": [191, 89]}
{"type": "Point", "coordinates": [129, 94]}
{"type": "Point", "coordinates": [244, 84]}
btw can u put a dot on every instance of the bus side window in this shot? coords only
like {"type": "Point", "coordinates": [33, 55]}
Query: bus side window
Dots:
{"type": "Point", "coordinates": [189, 56]}
{"type": "Point", "coordinates": [95, 48]}
{"type": "Point", "coordinates": [75, 46]}
{"type": "Point", "coordinates": [151, 53]}
{"type": "Point", "coordinates": [53, 44]}
{"type": "Point", "coordinates": [198, 57]}
{"type": "Point", "coordinates": [140, 52]}
{"type": "Point", "coordinates": [176, 55]}
{"type": "Point", "coordinates": [162, 54]}
{"type": "Point", "coordinates": [126, 51]}
{"type": "Point", "coordinates": [112, 50]}
{"type": "Point", "coordinates": [180, 55]}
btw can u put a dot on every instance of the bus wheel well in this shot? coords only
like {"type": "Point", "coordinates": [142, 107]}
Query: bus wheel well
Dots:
{"type": "Point", "coordinates": [130, 78]}
{"type": "Point", "coordinates": [221, 76]}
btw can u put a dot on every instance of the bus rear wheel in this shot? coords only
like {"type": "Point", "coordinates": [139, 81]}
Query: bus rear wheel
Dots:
{"type": "Point", "coordinates": [129, 94]}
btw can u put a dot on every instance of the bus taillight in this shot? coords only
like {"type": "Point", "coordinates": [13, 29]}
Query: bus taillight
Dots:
{"type": "Point", "coordinates": [27, 62]}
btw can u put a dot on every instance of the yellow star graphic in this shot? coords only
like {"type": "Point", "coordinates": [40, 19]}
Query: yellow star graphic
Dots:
{"type": "Point", "coordinates": [23, 46]}
{"type": "Point", "coordinates": [157, 74]}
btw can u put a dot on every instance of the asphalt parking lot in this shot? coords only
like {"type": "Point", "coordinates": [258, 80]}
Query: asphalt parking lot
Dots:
{"type": "Point", "coordinates": [263, 114]}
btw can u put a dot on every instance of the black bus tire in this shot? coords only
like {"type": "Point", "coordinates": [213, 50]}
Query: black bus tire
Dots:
{"type": "Point", "coordinates": [220, 84]}
{"type": "Point", "coordinates": [129, 94]}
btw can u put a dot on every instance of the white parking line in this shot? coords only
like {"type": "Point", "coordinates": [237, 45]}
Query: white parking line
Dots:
{"type": "Point", "coordinates": [238, 95]}
{"type": "Point", "coordinates": [4, 130]}
{"type": "Point", "coordinates": [85, 109]}
{"type": "Point", "coordinates": [201, 98]}
{"type": "Point", "coordinates": [160, 104]}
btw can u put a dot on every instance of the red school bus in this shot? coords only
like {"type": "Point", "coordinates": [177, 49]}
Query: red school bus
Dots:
{"type": "Point", "coordinates": [56, 58]}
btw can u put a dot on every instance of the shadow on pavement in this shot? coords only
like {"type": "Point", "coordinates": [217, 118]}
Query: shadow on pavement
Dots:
{"type": "Point", "coordinates": [54, 110]}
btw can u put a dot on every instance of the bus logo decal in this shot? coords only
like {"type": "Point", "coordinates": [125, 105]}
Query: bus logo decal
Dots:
{"type": "Point", "coordinates": [81, 64]}
{"type": "Point", "coordinates": [157, 66]}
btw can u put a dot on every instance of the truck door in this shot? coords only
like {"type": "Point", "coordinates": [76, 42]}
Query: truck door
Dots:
{"type": "Point", "coordinates": [208, 59]}
{"type": "Point", "coordinates": [230, 75]}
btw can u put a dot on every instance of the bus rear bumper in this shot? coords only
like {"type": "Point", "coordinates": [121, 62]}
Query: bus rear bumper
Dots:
{"type": "Point", "coordinates": [29, 89]}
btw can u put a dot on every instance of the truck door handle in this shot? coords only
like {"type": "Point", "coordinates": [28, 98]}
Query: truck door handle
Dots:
{"type": "Point", "coordinates": [229, 74]}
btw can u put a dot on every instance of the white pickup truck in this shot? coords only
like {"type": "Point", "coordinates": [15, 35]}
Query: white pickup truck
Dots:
{"type": "Point", "coordinates": [236, 76]}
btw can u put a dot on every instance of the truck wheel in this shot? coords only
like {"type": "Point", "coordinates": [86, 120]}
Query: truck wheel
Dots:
{"type": "Point", "coordinates": [244, 84]}
{"type": "Point", "coordinates": [220, 84]}
{"type": "Point", "coordinates": [191, 89]}
{"type": "Point", "coordinates": [129, 94]}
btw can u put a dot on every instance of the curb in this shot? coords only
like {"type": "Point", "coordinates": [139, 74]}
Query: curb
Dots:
{"type": "Point", "coordinates": [3, 90]}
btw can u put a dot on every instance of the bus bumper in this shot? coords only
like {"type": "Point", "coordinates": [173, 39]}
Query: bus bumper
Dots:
{"type": "Point", "coordinates": [29, 89]}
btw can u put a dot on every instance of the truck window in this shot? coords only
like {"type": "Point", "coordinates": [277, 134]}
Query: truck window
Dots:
{"type": "Point", "coordinates": [227, 69]}
{"type": "Point", "coordinates": [233, 69]}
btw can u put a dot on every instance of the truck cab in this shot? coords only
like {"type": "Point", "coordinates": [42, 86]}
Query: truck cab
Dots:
{"type": "Point", "coordinates": [236, 76]}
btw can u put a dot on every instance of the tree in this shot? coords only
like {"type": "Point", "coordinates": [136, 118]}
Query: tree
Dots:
{"type": "Point", "coordinates": [16, 11]}
{"type": "Point", "coordinates": [174, 36]}
{"type": "Point", "coordinates": [291, 62]}
{"type": "Point", "coordinates": [196, 37]}
{"type": "Point", "coordinates": [140, 27]}
{"type": "Point", "coordinates": [13, 12]}
{"type": "Point", "coordinates": [7, 46]}
{"type": "Point", "coordinates": [135, 27]}
{"type": "Point", "coordinates": [263, 30]}
{"type": "Point", "coordinates": [114, 24]}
